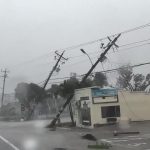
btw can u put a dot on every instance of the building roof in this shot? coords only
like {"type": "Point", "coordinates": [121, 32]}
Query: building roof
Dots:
{"type": "Point", "coordinates": [105, 87]}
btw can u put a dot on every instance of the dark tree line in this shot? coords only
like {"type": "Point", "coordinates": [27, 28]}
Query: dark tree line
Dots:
{"type": "Point", "coordinates": [68, 86]}
{"type": "Point", "coordinates": [31, 94]}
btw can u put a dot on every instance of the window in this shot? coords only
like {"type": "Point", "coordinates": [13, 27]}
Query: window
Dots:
{"type": "Point", "coordinates": [84, 98]}
{"type": "Point", "coordinates": [110, 111]}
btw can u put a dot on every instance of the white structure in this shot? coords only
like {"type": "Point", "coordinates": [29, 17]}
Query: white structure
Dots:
{"type": "Point", "coordinates": [95, 106]}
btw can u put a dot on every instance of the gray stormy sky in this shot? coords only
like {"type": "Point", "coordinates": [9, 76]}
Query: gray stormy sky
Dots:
{"type": "Point", "coordinates": [32, 29]}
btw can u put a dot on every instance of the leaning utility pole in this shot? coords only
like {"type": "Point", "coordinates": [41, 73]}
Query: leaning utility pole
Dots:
{"type": "Point", "coordinates": [100, 59]}
{"type": "Point", "coordinates": [3, 89]}
{"type": "Point", "coordinates": [55, 67]}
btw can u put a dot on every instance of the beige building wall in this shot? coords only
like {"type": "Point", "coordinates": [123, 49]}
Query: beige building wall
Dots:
{"type": "Point", "coordinates": [134, 106]}
{"type": "Point", "coordinates": [96, 116]}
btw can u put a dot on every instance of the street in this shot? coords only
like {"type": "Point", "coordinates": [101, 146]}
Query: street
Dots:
{"type": "Point", "coordinates": [33, 136]}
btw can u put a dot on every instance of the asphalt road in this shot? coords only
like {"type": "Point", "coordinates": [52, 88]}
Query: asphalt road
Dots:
{"type": "Point", "coordinates": [33, 136]}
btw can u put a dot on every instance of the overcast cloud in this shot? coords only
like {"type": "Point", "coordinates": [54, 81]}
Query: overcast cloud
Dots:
{"type": "Point", "coordinates": [30, 30]}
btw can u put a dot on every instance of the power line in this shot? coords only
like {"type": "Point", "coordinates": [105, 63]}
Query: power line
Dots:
{"type": "Point", "coordinates": [124, 45]}
{"type": "Point", "coordinates": [136, 28]}
{"type": "Point", "coordinates": [121, 49]}
{"type": "Point", "coordinates": [126, 31]}
{"type": "Point", "coordinates": [86, 43]}
{"type": "Point", "coordinates": [87, 60]}
{"type": "Point", "coordinates": [89, 43]}
{"type": "Point", "coordinates": [104, 71]}
{"type": "Point", "coordinates": [98, 40]}
{"type": "Point", "coordinates": [137, 42]}
{"type": "Point", "coordinates": [133, 66]}
{"type": "Point", "coordinates": [98, 51]}
{"type": "Point", "coordinates": [134, 46]}
{"type": "Point", "coordinates": [95, 52]}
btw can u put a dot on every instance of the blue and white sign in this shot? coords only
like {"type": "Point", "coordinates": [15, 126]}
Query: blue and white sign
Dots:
{"type": "Point", "coordinates": [104, 95]}
{"type": "Point", "coordinates": [100, 92]}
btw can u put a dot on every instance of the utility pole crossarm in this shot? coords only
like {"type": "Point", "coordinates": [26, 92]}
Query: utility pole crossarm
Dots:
{"type": "Point", "coordinates": [100, 59]}
{"type": "Point", "coordinates": [60, 55]}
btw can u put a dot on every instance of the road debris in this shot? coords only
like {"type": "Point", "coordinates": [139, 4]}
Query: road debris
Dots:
{"type": "Point", "coordinates": [116, 133]}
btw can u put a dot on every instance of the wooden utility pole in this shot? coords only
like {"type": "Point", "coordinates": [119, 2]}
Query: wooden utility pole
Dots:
{"type": "Point", "coordinates": [100, 59]}
{"type": "Point", "coordinates": [54, 68]}
{"type": "Point", "coordinates": [3, 89]}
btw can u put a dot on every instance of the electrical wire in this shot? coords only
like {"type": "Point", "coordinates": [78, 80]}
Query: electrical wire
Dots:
{"type": "Point", "coordinates": [91, 42]}
{"type": "Point", "coordinates": [136, 28]}
{"type": "Point", "coordinates": [136, 42]}
{"type": "Point", "coordinates": [135, 46]}
{"type": "Point", "coordinates": [121, 49]}
{"type": "Point", "coordinates": [72, 57]}
{"type": "Point", "coordinates": [98, 40]}
{"type": "Point", "coordinates": [104, 71]}
{"type": "Point", "coordinates": [124, 45]}
{"type": "Point", "coordinates": [86, 60]}
{"type": "Point", "coordinates": [95, 57]}
{"type": "Point", "coordinates": [88, 43]}
{"type": "Point", "coordinates": [126, 31]}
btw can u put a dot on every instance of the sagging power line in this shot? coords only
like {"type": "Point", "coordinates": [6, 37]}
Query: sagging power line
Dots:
{"type": "Point", "coordinates": [92, 58]}
{"type": "Point", "coordinates": [104, 71]}
{"type": "Point", "coordinates": [99, 40]}
{"type": "Point", "coordinates": [121, 49]}
{"type": "Point", "coordinates": [84, 44]}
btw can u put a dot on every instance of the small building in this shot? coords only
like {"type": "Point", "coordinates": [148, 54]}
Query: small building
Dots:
{"type": "Point", "coordinates": [95, 106]}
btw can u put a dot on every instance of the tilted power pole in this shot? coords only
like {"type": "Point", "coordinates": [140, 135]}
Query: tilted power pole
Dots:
{"type": "Point", "coordinates": [100, 59]}
{"type": "Point", "coordinates": [62, 60]}
{"type": "Point", "coordinates": [55, 67]}
{"type": "Point", "coordinates": [3, 89]}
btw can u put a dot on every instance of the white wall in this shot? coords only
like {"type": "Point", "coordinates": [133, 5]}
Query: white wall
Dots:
{"type": "Point", "coordinates": [134, 106]}
{"type": "Point", "coordinates": [82, 93]}
{"type": "Point", "coordinates": [96, 113]}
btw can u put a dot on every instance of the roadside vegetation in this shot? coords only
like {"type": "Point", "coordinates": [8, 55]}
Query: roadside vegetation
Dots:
{"type": "Point", "coordinates": [31, 95]}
